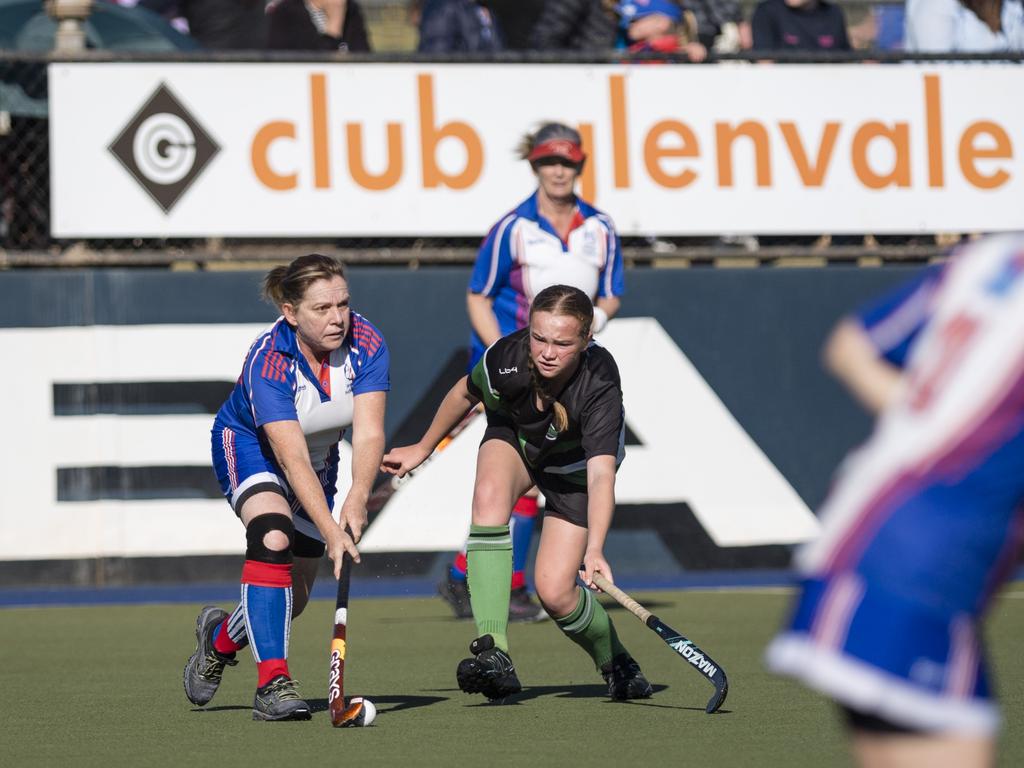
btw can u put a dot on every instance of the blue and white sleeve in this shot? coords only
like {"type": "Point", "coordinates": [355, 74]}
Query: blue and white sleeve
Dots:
{"type": "Point", "coordinates": [494, 260]}
{"type": "Point", "coordinates": [271, 381]}
{"type": "Point", "coordinates": [613, 282]}
{"type": "Point", "coordinates": [373, 360]}
{"type": "Point", "coordinates": [893, 321]}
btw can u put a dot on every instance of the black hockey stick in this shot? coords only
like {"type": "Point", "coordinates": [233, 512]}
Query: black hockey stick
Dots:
{"type": "Point", "coordinates": [699, 660]}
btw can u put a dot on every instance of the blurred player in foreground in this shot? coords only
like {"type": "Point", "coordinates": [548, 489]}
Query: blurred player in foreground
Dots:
{"type": "Point", "coordinates": [320, 369]}
{"type": "Point", "coordinates": [553, 237]}
{"type": "Point", "coordinates": [924, 521]}
{"type": "Point", "coordinates": [554, 419]}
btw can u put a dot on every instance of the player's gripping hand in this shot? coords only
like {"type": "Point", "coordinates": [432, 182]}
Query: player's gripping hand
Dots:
{"type": "Point", "coordinates": [353, 518]}
{"type": "Point", "coordinates": [401, 461]}
{"type": "Point", "coordinates": [338, 543]}
{"type": "Point", "coordinates": [594, 561]}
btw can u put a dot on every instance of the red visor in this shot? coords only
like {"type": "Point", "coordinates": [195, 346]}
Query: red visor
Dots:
{"type": "Point", "coordinates": [570, 150]}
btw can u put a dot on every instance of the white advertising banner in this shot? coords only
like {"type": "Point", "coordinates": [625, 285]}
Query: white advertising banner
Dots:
{"type": "Point", "coordinates": [281, 150]}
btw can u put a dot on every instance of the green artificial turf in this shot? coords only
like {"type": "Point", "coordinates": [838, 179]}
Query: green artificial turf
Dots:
{"type": "Point", "coordinates": [102, 686]}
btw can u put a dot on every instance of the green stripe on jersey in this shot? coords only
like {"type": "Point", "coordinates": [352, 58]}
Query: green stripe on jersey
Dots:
{"type": "Point", "coordinates": [480, 377]}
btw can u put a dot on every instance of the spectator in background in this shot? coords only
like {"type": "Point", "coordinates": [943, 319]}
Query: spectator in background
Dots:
{"type": "Point", "coordinates": [965, 26]}
{"type": "Point", "coordinates": [458, 26]}
{"type": "Point", "coordinates": [647, 26]}
{"type": "Point", "coordinates": [720, 24]}
{"type": "Point", "coordinates": [218, 24]}
{"type": "Point", "coordinates": [891, 21]}
{"type": "Point", "coordinates": [317, 25]}
{"type": "Point", "coordinates": [799, 25]}
{"type": "Point", "coordinates": [575, 25]}
{"type": "Point", "coordinates": [861, 27]}
{"type": "Point", "coordinates": [516, 19]}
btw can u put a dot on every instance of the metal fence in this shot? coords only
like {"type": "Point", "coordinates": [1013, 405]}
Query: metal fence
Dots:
{"type": "Point", "coordinates": [25, 239]}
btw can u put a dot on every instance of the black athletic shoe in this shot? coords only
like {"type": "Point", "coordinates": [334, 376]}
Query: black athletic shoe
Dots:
{"type": "Point", "coordinates": [489, 672]}
{"type": "Point", "coordinates": [522, 607]}
{"type": "Point", "coordinates": [455, 592]}
{"type": "Point", "coordinates": [279, 700]}
{"type": "Point", "coordinates": [625, 680]}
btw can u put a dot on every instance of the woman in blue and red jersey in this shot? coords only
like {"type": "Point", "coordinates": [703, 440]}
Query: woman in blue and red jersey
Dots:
{"type": "Point", "coordinates": [553, 237]}
{"type": "Point", "coordinates": [320, 369]}
{"type": "Point", "coordinates": [925, 521]}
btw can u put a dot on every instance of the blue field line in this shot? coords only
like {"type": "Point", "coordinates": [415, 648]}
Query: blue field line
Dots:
{"type": "Point", "coordinates": [223, 593]}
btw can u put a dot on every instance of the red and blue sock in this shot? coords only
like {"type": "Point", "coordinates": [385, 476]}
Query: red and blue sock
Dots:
{"type": "Point", "coordinates": [524, 516]}
{"type": "Point", "coordinates": [229, 636]}
{"type": "Point", "coordinates": [267, 604]}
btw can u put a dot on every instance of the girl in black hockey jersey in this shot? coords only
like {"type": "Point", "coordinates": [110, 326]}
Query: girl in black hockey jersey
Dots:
{"type": "Point", "coordinates": [554, 419]}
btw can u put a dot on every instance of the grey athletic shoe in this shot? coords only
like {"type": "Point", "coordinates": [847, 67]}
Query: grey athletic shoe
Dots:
{"type": "Point", "coordinates": [625, 680]}
{"type": "Point", "coordinates": [205, 667]}
{"type": "Point", "coordinates": [279, 700]}
{"type": "Point", "coordinates": [489, 672]}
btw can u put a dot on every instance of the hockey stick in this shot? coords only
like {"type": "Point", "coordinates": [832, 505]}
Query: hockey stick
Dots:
{"type": "Point", "coordinates": [700, 661]}
{"type": "Point", "coordinates": [340, 714]}
{"type": "Point", "coordinates": [383, 493]}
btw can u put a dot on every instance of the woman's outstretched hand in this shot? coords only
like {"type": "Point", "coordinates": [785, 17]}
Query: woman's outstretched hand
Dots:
{"type": "Point", "coordinates": [401, 461]}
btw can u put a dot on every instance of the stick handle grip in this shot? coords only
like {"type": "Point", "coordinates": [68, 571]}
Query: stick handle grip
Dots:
{"type": "Point", "coordinates": [622, 598]}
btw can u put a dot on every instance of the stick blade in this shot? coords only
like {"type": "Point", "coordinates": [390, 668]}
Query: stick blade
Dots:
{"type": "Point", "coordinates": [718, 698]}
{"type": "Point", "coordinates": [343, 717]}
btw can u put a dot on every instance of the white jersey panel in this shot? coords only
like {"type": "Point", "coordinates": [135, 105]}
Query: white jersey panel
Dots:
{"type": "Point", "coordinates": [324, 424]}
{"type": "Point", "coordinates": [545, 263]}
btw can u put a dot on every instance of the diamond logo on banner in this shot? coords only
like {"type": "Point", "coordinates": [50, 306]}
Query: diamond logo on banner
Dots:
{"type": "Point", "coordinates": [164, 148]}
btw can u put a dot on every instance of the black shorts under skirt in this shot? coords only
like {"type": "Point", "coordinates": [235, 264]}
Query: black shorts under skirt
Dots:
{"type": "Point", "coordinates": [561, 502]}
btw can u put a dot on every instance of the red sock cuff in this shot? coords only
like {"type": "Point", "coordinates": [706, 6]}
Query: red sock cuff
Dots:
{"type": "Point", "coordinates": [223, 642]}
{"type": "Point", "coordinates": [270, 669]}
{"type": "Point", "coordinates": [518, 579]}
{"type": "Point", "coordinates": [526, 506]}
{"type": "Point", "coordinates": [267, 574]}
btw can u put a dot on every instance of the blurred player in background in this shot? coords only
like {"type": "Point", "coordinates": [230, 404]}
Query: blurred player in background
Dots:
{"type": "Point", "coordinates": [553, 237]}
{"type": "Point", "coordinates": [320, 369]}
{"type": "Point", "coordinates": [554, 419]}
{"type": "Point", "coordinates": [924, 521]}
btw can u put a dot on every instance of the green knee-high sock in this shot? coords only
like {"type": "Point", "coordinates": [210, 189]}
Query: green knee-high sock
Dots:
{"type": "Point", "coordinates": [591, 628]}
{"type": "Point", "coordinates": [489, 559]}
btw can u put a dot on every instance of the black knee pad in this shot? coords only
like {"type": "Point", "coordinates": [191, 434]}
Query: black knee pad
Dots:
{"type": "Point", "coordinates": [260, 527]}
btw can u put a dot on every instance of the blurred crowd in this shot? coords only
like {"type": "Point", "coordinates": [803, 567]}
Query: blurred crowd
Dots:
{"type": "Point", "coordinates": [690, 27]}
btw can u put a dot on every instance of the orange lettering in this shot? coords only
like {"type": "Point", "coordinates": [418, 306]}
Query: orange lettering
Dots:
{"type": "Point", "coordinates": [588, 178]}
{"type": "Point", "coordinates": [266, 136]}
{"type": "Point", "coordinates": [431, 136]}
{"type": "Point", "coordinates": [321, 156]}
{"type": "Point", "coordinates": [899, 136]}
{"type": "Point", "coordinates": [970, 152]}
{"type": "Point", "coordinates": [392, 171]}
{"type": "Point", "coordinates": [620, 137]}
{"type": "Point", "coordinates": [933, 121]}
{"type": "Point", "coordinates": [811, 176]}
{"type": "Point", "coordinates": [726, 134]}
{"type": "Point", "coordinates": [654, 152]}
